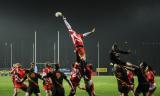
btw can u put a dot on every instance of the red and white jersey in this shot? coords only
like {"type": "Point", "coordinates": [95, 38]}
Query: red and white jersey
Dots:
{"type": "Point", "coordinates": [89, 73]}
{"type": "Point", "coordinates": [45, 72]}
{"type": "Point", "coordinates": [130, 75]}
{"type": "Point", "coordinates": [19, 74]}
{"type": "Point", "coordinates": [150, 76]}
{"type": "Point", "coordinates": [76, 38]}
{"type": "Point", "coordinates": [75, 75]}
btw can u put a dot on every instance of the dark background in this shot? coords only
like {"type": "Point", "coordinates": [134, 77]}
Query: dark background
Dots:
{"type": "Point", "coordinates": [136, 22]}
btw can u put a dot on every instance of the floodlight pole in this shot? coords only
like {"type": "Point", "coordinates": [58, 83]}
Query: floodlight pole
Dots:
{"type": "Point", "coordinates": [35, 52]}
{"type": "Point", "coordinates": [35, 47]}
{"type": "Point", "coordinates": [54, 53]}
{"type": "Point", "coordinates": [58, 49]}
{"type": "Point", "coordinates": [98, 56]}
{"type": "Point", "coordinates": [11, 55]}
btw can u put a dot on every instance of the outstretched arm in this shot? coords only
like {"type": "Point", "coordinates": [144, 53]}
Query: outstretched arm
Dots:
{"type": "Point", "coordinates": [67, 24]}
{"type": "Point", "coordinates": [88, 33]}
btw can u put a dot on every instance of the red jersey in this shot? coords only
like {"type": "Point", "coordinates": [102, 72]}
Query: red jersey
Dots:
{"type": "Point", "coordinates": [150, 76]}
{"type": "Point", "coordinates": [19, 74]}
{"type": "Point", "coordinates": [130, 75]}
{"type": "Point", "coordinates": [76, 38]}
{"type": "Point", "coordinates": [75, 75]}
{"type": "Point", "coordinates": [45, 72]}
{"type": "Point", "coordinates": [88, 73]}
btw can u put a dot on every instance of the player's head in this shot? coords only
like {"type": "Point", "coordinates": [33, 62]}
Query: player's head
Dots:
{"type": "Point", "coordinates": [18, 65]}
{"type": "Point", "coordinates": [57, 66]}
{"type": "Point", "coordinates": [90, 66]}
{"type": "Point", "coordinates": [115, 47]}
{"type": "Point", "coordinates": [14, 65]}
{"type": "Point", "coordinates": [149, 68]}
{"type": "Point", "coordinates": [143, 65]}
{"type": "Point", "coordinates": [47, 65]}
{"type": "Point", "coordinates": [116, 67]}
{"type": "Point", "coordinates": [75, 65]}
{"type": "Point", "coordinates": [32, 65]}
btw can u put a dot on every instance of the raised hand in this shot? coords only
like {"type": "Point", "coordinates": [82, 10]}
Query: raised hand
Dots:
{"type": "Point", "coordinates": [93, 30]}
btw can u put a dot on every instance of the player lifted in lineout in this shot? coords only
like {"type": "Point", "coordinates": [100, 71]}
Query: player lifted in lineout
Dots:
{"type": "Point", "coordinates": [78, 43]}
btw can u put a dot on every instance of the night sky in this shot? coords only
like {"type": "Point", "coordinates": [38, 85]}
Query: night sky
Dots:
{"type": "Point", "coordinates": [134, 21]}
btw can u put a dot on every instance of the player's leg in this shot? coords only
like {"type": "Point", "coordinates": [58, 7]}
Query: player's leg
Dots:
{"type": "Point", "coordinates": [46, 89]}
{"type": "Point", "coordinates": [91, 87]}
{"type": "Point", "coordinates": [54, 91]}
{"type": "Point", "coordinates": [88, 87]}
{"type": "Point", "coordinates": [28, 93]}
{"type": "Point", "coordinates": [15, 92]}
{"type": "Point", "coordinates": [38, 94]}
{"type": "Point", "coordinates": [81, 54]}
{"type": "Point", "coordinates": [72, 93]}
{"type": "Point", "coordinates": [36, 91]}
{"type": "Point", "coordinates": [81, 59]}
{"type": "Point", "coordinates": [152, 88]}
{"type": "Point", "coordinates": [138, 91]}
{"type": "Point", "coordinates": [48, 92]}
{"type": "Point", "coordinates": [60, 91]}
{"type": "Point", "coordinates": [145, 93]}
{"type": "Point", "coordinates": [145, 89]}
{"type": "Point", "coordinates": [124, 94]}
{"type": "Point", "coordinates": [24, 88]}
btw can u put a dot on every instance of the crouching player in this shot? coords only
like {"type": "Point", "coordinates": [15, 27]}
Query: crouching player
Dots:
{"type": "Point", "coordinates": [47, 84]}
{"type": "Point", "coordinates": [75, 78]}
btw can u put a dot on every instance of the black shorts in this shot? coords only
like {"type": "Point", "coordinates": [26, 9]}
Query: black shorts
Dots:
{"type": "Point", "coordinates": [123, 88]}
{"type": "Point", "coordinates": [58, 91]}
{"type": "Point", "coordinates": [142, 88]}
{"type": "Point", "coordinates": [33, 89]}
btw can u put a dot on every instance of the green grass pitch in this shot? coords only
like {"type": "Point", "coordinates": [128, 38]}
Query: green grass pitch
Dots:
{"type": "Point", "coordinates": [104, 86]}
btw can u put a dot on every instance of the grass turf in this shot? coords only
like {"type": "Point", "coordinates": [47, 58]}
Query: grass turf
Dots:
{"type": "Point", "coordinates": [104, 86]}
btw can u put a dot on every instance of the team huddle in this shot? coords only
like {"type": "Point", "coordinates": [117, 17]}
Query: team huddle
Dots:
{"type": "Point", "coordinates": [53, 78]}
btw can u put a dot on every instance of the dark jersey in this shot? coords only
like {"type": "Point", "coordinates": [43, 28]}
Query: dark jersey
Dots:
{"type": "Point", "coordinates": [122, 79]}
{"type": "Point", "coordinates": [115, 57]}
{"type": "Point", "coordinates": [57, 78]}
{"type": "Point", "coordinates": [33, 78]}
{"type": "Point", "coordinates": [140, 75]}
{"type": "Point", "coordinates": [121, 75]}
